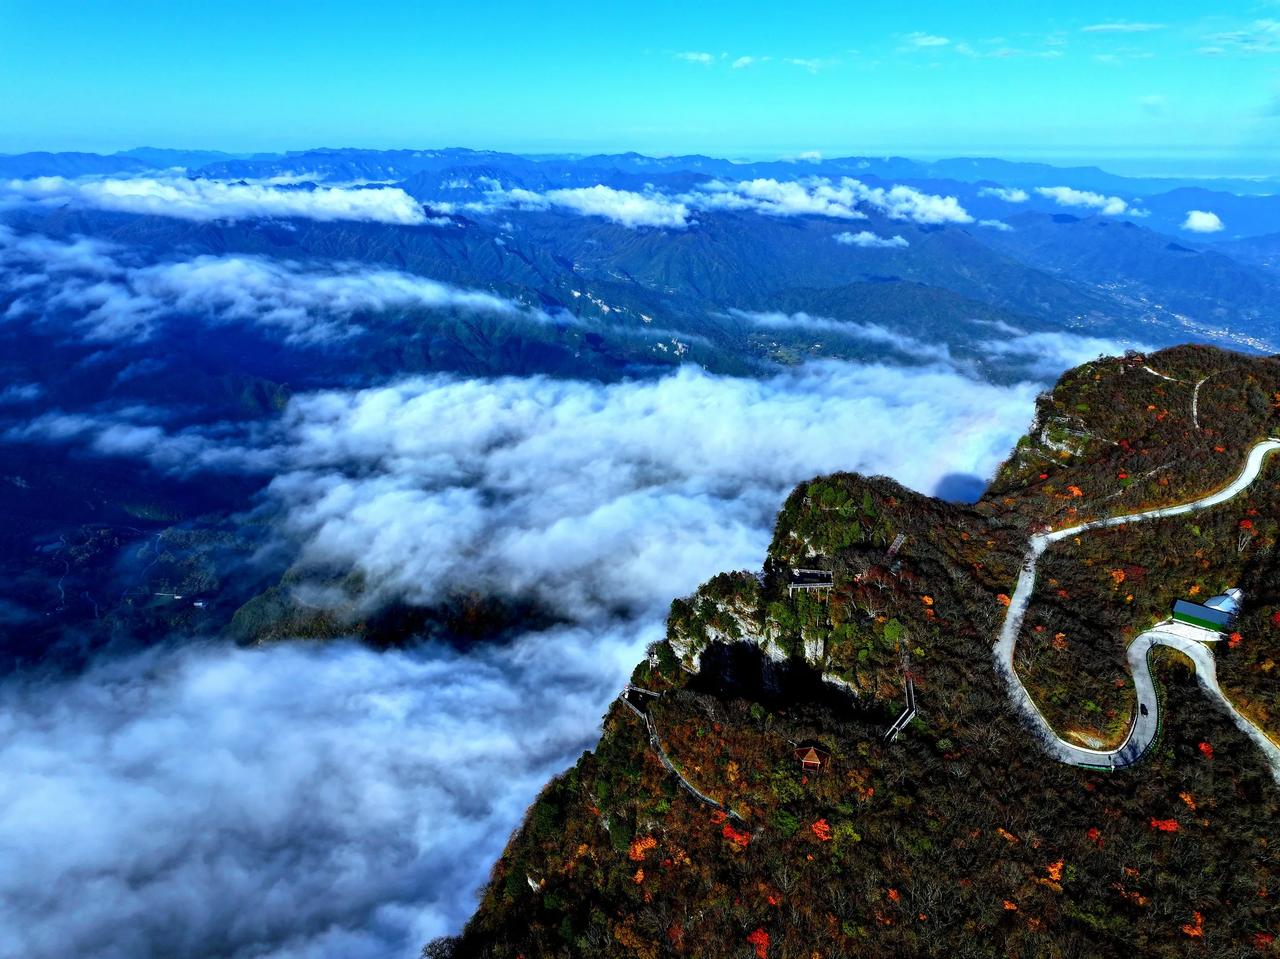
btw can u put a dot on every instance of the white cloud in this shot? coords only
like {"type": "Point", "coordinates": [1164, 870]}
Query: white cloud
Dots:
{"type": "Point", "coordinates": [18, 394]}
{"type": "Point", "coordinates": [925, 41]}
{"type": "Point", "coordinates": [109, 299]}
{"type": "Point", "coordinates": [696, 56]}
{"type": "Point", "coordinates": [1122, 26]}
{"type": "Point", "coordinates": [1067, 196]}
{"type": "Point", "coordinates": [1260, 36]}
{"type": "Point", "coordinates": [869, 240]}
{"type": "Point", "coordinates": [622, 206]}
{"type": "Point", "coordinates": [585, 496]}
{"type": "Point", "coordinates": [742, 62]}
{"type": "Point", "coordinates": [626, 207]}
{"type": "Point", "coordinates": [1013, 195]}
{"type": "Point", "coordinates": [908, 203]}
{"type": "Point", "coordinates": [199, 199]}
{"type": "Point", "coordinates": [1048, 354]}
{"type": "Point", "coordinates": [811, 64]}
{"type": "Point", "coordinates": [996, 225]}
{"type": "Point", "coordinates": [1202, 221]}
{"type": "Point", "coordinates": [291, 802]}
{"type": "Point", "coordinates": [821, 196]}
{"type": "Point", "coordinates": [780, 197]}
{"type": "Point", "coordinates": [818, 196]}
{"type": "Point", "coordinates": [1001, 52]}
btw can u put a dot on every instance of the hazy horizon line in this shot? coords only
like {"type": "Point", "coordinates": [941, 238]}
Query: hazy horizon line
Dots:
{"type": "Point", "coordinates": [1183, 163]}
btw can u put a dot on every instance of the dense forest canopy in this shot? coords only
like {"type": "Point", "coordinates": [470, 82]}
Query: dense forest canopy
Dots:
{"type": "Point", "coordinates": [693, 830]}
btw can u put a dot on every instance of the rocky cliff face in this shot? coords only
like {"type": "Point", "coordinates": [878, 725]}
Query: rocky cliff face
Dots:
{"type": "Point", "coordinates": [959, 836]}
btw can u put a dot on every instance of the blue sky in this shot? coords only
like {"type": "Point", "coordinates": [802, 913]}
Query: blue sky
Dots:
{"type": "Point", "coordinates": [1158, 83]}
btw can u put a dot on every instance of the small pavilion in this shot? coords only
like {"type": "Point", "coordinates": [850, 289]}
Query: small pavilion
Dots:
{"type": "Point", "coordinates": [812, 756]}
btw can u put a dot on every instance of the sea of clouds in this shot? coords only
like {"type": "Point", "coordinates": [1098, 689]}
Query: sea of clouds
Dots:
{"type": "Point", "coordinates": [103, 292]}
{"type": "Point", "coordinates": [320, 800]}
{"type": "Point", "coordinates": [304, 800]}
{"type": "Point", "coordinates": [812, 196]}
{"type": "Point", "coordinates": [297, 196]}
{"type": "Point", "coordinates": [203, 199]}
{"type": "Point", "coordinates": [192, 198]}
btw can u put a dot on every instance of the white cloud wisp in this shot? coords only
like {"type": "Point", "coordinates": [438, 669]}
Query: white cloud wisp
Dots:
{"type": "Point", "coordinates": [202, 199]}
{"type": "Point", "coordinates": [871, 241]}
{"type": "Point", "coordinates": [94, 287]}
{"type": "Point", "coordinates": [1070, 197]}
{"type": "Point", "coordinates": [811, 196]}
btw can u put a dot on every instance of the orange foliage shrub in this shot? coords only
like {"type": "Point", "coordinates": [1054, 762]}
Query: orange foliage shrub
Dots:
{"type": "Point", "coordinates": [1195, 928]}
{"type": "Point", "coordinates": [640, 848]}
{"type": "Point", "coordinates": [1132, 895]}
{"type": "Point", "coordinates": [822, 830]}
{"type": "Point", "coordinates": [1165, 825]}
{"type": "Point", "coordinates": [760, 939]}
{"type": "Point", "coordinates": [1206, 750]}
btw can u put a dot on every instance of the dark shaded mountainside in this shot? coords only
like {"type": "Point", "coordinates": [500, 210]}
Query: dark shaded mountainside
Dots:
{"type": "Point", "coordinates": [959, 836]}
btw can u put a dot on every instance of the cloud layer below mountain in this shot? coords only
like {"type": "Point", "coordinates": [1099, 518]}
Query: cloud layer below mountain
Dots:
{"type": "Point", "coordinates": [588, 497]}
{"type": "Point", "coordinates": [205, 199]}
{"type": "Point", "coordinates": [208, 199]}
{"type": "Point", "coordinates": [810, 196]}
{"type": "Point", "coordinates": [596, 498]}
{"type": "Point", "coordinates": [1068, 196]}
{"type": "Point", "coordinates": [290, 802]}
{"type": "Point", "coordinates": [95, 287]}
{"type": "Point", "coordinates": [306, 802]}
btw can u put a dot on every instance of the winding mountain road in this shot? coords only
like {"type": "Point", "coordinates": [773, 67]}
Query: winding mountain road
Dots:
{"type": "Point", "coordinates": [1146, 721]}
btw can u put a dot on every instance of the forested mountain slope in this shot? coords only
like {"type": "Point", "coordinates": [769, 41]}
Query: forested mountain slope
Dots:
{"type": "Point", "coordinates": [960, 836]}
